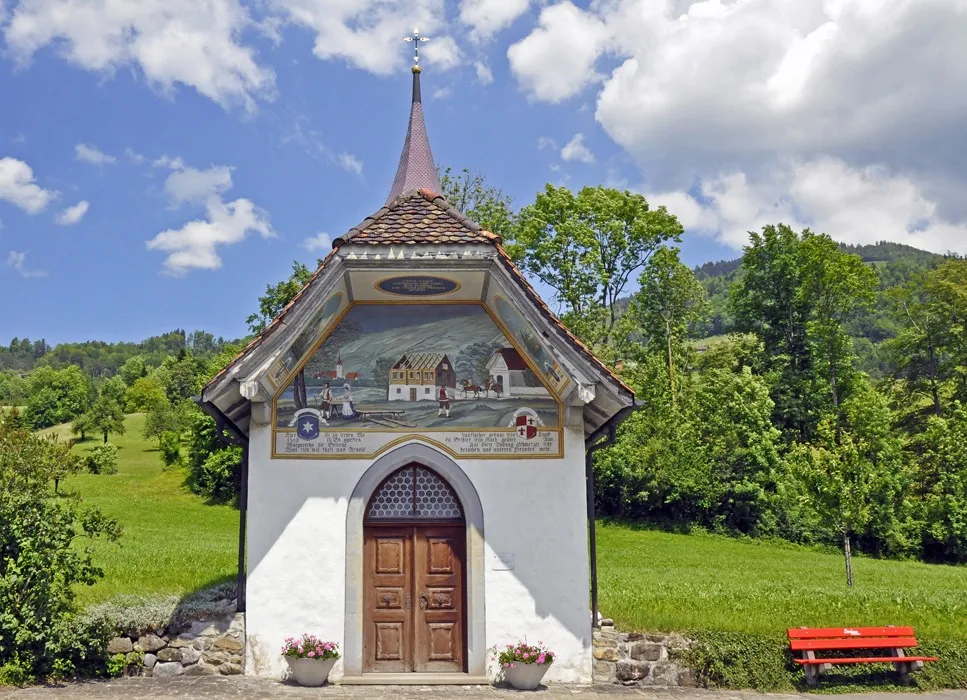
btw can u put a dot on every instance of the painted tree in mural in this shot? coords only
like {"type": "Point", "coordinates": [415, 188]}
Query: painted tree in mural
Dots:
{"type": "Point", "coordinates": [471, 363]}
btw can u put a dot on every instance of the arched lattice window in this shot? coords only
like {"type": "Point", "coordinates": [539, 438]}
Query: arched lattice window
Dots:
{"type": "Point", "coordinates": [414, 493]}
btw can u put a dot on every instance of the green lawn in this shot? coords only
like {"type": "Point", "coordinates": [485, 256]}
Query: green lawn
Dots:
{"type": "Point", "coordinates": [173, 542]}
{"type": "Point", "coordinates": [658, 581]}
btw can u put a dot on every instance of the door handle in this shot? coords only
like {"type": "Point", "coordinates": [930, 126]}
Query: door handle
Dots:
{"type": "Point", "coordinates": [423, 602]}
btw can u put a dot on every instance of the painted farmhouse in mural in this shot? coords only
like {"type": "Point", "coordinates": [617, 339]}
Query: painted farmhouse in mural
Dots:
{"type": "Point", "coordinates": [420, 377]}
{"type": "Point", "coordinates": [415, 429]}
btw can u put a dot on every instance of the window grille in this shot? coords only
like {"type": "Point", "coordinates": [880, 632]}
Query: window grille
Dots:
{"type": "Point", "coordinates": [414, 493]}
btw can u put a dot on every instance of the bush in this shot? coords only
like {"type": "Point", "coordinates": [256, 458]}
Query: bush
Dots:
{"type": "Point", "coordinates": [170, 446]}
{"type": "Point", "coordinates": [39, 533]}
{"type": "Point", "coordinates": [102, 459]}
{"type": "Point", "coordinates": [138, 615]}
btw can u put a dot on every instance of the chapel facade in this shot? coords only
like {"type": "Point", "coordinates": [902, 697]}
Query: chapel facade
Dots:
{"type": "Point", "coordinates": [416, 428]}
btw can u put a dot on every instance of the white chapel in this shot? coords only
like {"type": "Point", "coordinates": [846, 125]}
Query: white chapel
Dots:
{"type": "Point", "coordinates": [416, 429]}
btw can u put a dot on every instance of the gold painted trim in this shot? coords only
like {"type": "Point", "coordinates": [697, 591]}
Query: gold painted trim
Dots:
{"type": "Point", "coordinates": [414, 297]}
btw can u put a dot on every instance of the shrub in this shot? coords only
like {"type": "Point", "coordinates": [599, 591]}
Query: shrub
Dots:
{"type": "Point", "coordinates": [523, 653]}
{"type": "Point", "coordinates": [102, 459]}
{"type": "Point", "coordinates": [138, 615]}
{"type": "Point", "coordinates": [170, 445]}
{"type": "Point", "coordinates": [42, 562]}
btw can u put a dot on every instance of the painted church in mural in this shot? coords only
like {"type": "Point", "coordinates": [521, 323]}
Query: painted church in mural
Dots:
{"type": "Point", "coordinates": [415, 426]}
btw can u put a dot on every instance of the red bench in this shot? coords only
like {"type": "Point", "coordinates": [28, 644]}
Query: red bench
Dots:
{"type": "Point", "coordinates": [805, 642]}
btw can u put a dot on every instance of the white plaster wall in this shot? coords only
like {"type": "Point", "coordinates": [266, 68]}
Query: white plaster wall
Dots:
{"type": "Point", "coordinates": [534, 511]}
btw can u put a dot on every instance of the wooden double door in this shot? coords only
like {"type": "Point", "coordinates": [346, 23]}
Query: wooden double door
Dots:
{"type": "Point", "coordinates": [414, 598]}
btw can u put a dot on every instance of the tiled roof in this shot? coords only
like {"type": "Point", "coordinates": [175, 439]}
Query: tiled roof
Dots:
{"type": "Point", "coordinates": [421, 361]}
{"type": "Point", "coordinates": [512, 358]}
{"type": "Point", "coordinates": [420, 216]}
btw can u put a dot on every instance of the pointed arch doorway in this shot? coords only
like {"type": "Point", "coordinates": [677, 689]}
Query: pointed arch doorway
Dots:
{"type": "Point", "coordinates": [414, 575]}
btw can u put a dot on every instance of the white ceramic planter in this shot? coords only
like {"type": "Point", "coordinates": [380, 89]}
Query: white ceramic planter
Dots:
{"type": "Point", "coordinates": [526, 676]}
{"type": "Point", "coordinates": [310, 672]}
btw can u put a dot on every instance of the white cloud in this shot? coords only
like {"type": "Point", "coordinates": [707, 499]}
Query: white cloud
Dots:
{"type": "Point", "coordinates": [441, 93]}
{"type": "Point", "coordinates": [194, 245]}
{"type": "Point", "coordinates": [18, 187]}
{"type": "Point", "coordinates": [18, 262]}
{"type": "Point", "coordinates": [134, 156]}
{"type": "Point", "coordinates": [487, 17]}
{"type": "Point", "coordinates": [319, 242]}
{"type": "Point", "coordinates": [484, 75]}
{"type": "Point", "coordinates": [197, 186]}
{"type": "Point", "coordinates": [197, 44]}
{"type": "Point", "coordinates": [165, 161]}
{"type": "Point", "coordinates": [442, 53]}
{"type": "Point", "coordinates": [350, 163]}
{"type": "Point", "coordinates": [71, 215]}
{"type": "Point", "coordinates": [365, 33]}
{"type": "Point", "coordinates": [853, 205]}
{"type": "Point", "coordinates": [576, 150]}
{"type": "Point", "coordinates": [92, 155]}
{"type": "Point", "coordinates": [556, 60]}
{"type": "Point", "coordinates": [705, 89]}
{"type": "Point", "coordinates": [546, 142]}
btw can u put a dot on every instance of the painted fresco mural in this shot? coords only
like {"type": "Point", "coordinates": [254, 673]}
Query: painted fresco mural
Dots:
{"type": "Point", "coordinates": [284, 365]}
{"type": "Point", "coordinates": [391, 369]}
{"type": "Point", "coordinates": [526, 338]}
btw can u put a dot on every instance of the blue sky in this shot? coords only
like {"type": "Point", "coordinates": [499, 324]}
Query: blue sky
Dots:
{"type": "Point", "coordinates": [264, 125]}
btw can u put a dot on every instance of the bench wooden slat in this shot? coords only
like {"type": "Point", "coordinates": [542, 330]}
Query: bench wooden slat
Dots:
{"type": "Point", "coordinates": [849, 632]}
{"type": "Point", "coordinates": [870, 660]}
{"type": "Point", "coordinates": [857, 643]}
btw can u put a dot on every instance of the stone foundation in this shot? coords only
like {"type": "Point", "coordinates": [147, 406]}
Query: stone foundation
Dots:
{"type": "Point", "coordinates": [636, 658]}
{"type": "Point", "coordinates": [205, 647]}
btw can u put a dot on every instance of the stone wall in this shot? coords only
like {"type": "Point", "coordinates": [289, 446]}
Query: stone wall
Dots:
{"type": "Point", "coordinates": [203, 647]}
{"type": "Point", "coordinates": [637, 658]}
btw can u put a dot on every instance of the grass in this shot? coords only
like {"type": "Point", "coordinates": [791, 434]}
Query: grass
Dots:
{"type": "Point", "coordinates": [659, 581]}
{"type": "Point", "coordinates": [173, 542]}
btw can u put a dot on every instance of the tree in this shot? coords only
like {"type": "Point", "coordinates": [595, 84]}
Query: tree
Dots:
{"type": "Point", "coordinates": [56, 396]}
{"type": "Point", "coordinates": [81, 426]}
{"type": "Point", "coordinates": [133, 369]}
{"type": "Point", "coordinates": [106, 416]}
{"type": "Point", "coordinates": [587, 246]}
{"type": "Point", "coordinates": [161, 420]}
{"type": "Point", "coordinates": [146, 394]}
{"type": "Point", "coordinates": [469, 192]}
{"type": "Point", "coordinates": [668, 302]}
{"type": "Point", "coordinates": [836, 284]}
{"type": "Point", "coordinates": [102, 459]}
{"type": "Point", "coordinates": [929, 354]}
{"type": "Point", "coordinates": [43, 562]}
{"type": "Point", "coordinates": [277, 296]}
{"type": "Point", "coordinates": [942, 452]}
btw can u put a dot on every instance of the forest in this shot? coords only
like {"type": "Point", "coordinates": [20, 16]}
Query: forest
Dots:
{"type": "Point", "coordinates": [806, 391]}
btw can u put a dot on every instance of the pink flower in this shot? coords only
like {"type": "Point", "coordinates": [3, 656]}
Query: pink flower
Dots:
{"type": "Point", "coordinates": [541, 659]}
{"type": "Point", "coordinates": [506, 665]}
{"type": "Point", "coordinates": [311, 654]}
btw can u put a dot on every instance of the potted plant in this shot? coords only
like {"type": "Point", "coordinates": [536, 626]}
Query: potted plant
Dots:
{"type": "Point", "coordinates": [523, 664]}
{"type": "Point", "coordinates": [310, 659]}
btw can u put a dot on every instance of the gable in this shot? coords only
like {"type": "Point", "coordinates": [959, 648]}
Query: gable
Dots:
{"type": "Point", "coordinates": [413, 367]}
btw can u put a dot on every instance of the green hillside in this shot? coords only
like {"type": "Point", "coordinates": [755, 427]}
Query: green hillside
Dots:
{"type": "Point", "coordinates": [173, 542]}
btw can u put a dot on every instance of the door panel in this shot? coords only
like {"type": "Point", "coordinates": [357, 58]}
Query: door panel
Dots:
{"type": "Point", "coordinates": [438, 590]}
{"type": "Point", "coordinates": [388, 580]}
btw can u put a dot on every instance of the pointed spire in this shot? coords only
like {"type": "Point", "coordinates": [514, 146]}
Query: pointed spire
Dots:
{"type": "Point", "coordinates": [416, 169]}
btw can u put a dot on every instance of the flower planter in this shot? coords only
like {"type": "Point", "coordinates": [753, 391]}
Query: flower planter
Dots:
{"type": "Point", "coordinates": [525, 676]}
{"type": "Point", "coordinates": [310, 672]}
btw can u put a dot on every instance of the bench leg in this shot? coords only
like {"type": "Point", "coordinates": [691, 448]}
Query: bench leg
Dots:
{"type": "Point", "coordinates": [812, 671]}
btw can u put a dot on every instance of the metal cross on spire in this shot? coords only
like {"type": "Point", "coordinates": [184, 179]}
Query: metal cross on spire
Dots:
{"type": "Point", "coordinates": [417, 40]}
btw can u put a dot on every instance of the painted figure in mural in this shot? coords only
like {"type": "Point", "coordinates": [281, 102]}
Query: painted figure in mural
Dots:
{"type": "Point", "coordinates": [326, 401]}
{"type": "Point", "coordinates": [493, 385]}
{"type": "Point", "coordinates": [469, 386]}
{"type": "Point", "coordinates": [348, 411]}
{"type": "Point", "coordinates": [444, 402]}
